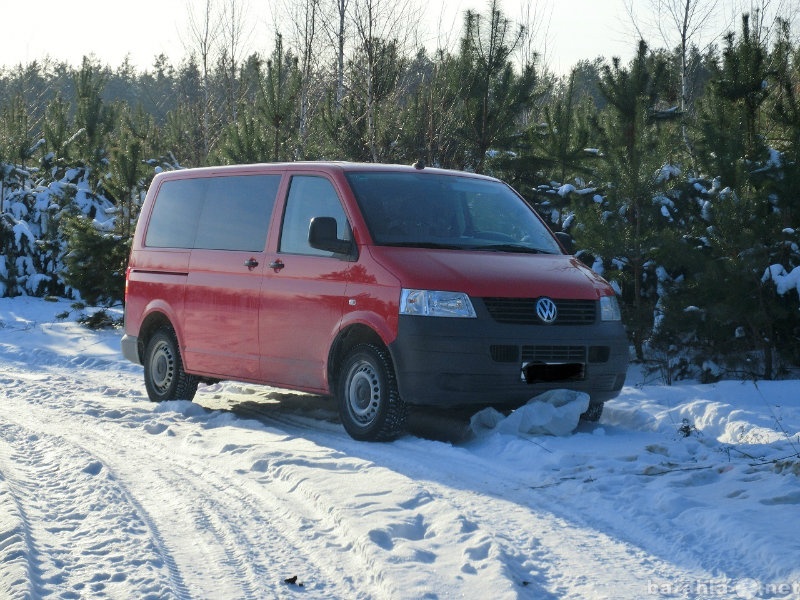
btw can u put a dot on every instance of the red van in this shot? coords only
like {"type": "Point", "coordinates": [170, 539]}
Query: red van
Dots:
{"type": "Point", "coordinates": [384, 286]}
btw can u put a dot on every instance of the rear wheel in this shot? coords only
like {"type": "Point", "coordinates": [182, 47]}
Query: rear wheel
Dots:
{"type": "Point", "coordinates": [370, 406]}
{"type": "Point", "coordinates": [164, 376]}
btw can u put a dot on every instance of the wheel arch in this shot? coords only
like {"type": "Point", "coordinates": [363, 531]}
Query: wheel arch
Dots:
{"type": "Point", "coordinates": [152, 323]}
{"type": "Point", "coordinates": [346, 340]}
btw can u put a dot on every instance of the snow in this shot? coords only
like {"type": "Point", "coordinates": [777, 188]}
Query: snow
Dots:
{"type": "Point", "coordinates": [21, 230]}
{"type": "Point", "coordinates": [668, 171]}
{"type": "Point", "coordinates": [784, 282]}
{"type": "Point", "coordinates": [252, 492]}
{"type": "Point", "coordinates": [565, 190]}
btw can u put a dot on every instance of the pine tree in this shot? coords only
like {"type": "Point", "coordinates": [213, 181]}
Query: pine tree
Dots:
{"type": "Point", "coordinates": [429, 117]}
{"type": "Point", "coordinates": [17, 134]}
{"type": "Point", "coordinates": [94, 120]}
{"type": "Point", "coordinates": [553, 154]}
{"type": "Point", "coordinates": [280, 98]}
{"type": "Point", "coordinates": [737, 316]}
{"type": "Point", "coordinates": [266, 128]}
{"type": "Point", "coordinates": [129, 174]}
{"type": "Point", "coordinates": [56, 130]}
{"type": "Point", "coordinates": [630, 227]}
{"type": "Point", "coordinates": [785, 111]}
{"type": "Point", "coordinates": [95, 263]}
{"type": "Point", "coordinates": [494, 96]}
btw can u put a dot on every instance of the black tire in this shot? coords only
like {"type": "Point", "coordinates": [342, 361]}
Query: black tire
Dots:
{"type": "Point", "coordinates": [593, 413]}
{"type": "Point", "coordinates": [164, 376]}
{"type": "Point", "coordinates": [370, 406]}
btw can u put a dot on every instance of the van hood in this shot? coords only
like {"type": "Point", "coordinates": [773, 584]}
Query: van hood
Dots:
{"type": "Point", "coordinates": [492, 274]}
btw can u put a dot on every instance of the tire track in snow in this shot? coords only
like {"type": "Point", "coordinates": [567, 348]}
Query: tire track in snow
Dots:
{"type": "Point", "coordinates": [212, 526]}
{"type": "Point", "coordinates": [17, 550]}
{"type": "Point", "coordinates": [534, 529]}
{"type": "Point", "coordinates": [191, 494]}
{"type": "Point", "coordinates": [519, 528]}
{"type": "Point", "coordinates": [406, 532]}
{"type": "Point", "coordinates": [531, 545]}
{"type": "Point", "coordinates": [81, 534]}
{"type": "Point", "coordinates": [386, 544]}
{"type": "Point", "coordinates": [251, 535]}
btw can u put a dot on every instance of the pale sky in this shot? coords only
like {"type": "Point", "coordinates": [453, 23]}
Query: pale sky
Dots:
{"type": "Point", "coordinates": [568, 30]}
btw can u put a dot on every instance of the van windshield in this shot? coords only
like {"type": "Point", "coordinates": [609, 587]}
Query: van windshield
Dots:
{"type": "Point", "coordinates": [435, 210]}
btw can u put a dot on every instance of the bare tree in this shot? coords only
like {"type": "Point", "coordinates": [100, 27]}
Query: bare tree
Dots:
{"type": "Point", "coordinates": [447, 32]}
{"type": "Point", "coordinates": [535, 19]}
{"type": "Point", "coordinates": [686, 19]}
{"type": "Point", "coordinates": [764, 15]}
{"type": "Point", "coordinates": [341, 14]}
{"type": "Point", "coordinates": [682, 26]}
{"type": "Point", "coordinates": [234, 36]}
{"type": "Point", "coordinates": [306, 18]}
{"type": "Point", "coordinates": [377, 23]}
{"type": "Point", "coordinates": [334, 21]}
{"type": "Point", "coordinates": [204, 31]}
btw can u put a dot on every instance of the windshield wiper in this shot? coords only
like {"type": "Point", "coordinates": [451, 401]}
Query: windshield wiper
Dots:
{"type": "Point", "coordinates": [420, 244]}
{"type": "Point", "coordinates": [510, 248]}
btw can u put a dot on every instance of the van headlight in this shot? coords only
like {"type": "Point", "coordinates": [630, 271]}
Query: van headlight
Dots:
{"type": "Point", "coordinates": [609, 309]}
{"type": "Point", "coordinates": [427, 303]}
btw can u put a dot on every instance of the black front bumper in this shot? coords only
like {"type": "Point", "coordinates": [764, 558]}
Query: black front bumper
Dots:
{"type": "Point", "coordinates": [453, 362]}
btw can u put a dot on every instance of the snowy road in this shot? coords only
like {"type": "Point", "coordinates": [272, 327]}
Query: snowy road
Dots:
{"type": "Point", "coordinates": [104, 494]}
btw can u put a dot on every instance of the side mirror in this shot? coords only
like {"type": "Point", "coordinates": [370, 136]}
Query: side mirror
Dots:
{"type": "Point", "coordinates": [566, 241]}
{"type": "Point", "coordinates": [323, 235]}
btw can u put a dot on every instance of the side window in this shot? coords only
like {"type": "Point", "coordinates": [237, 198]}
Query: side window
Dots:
{"type": "Point", "coordinates": [309, 197]}
{"type": "Point", "coordinates": [236, 212]}
{"type": "Point", "coordinates": [214, 213]}
{"type": "Point", "coordinates": [173, 222]}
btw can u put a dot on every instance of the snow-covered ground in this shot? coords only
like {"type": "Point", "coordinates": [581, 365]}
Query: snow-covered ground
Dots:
{"type": "Point", "coordinates": [251, 492]}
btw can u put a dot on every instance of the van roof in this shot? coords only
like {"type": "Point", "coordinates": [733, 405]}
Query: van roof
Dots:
{"type": "Point", "coordinates": [330, 166]}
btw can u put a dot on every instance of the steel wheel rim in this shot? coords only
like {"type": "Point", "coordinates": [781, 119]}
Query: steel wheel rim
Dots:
{"type": "Point", "coordinates": [364, 393]}
{"type": "Point", "coordinates": [162, 367]}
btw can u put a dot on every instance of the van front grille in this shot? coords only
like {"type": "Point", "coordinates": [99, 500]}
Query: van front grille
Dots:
{"type": "Point", "coordinates": [522, 311]}
{"type": "Point", "coordinates": [554, 354]}
{"type": "Point", "coordinates": [538, 354]}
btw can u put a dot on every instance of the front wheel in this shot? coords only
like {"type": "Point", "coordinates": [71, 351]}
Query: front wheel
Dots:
{"type": "Point", "coordinates": [370, 406]}
{"type": "Point", "coordinates": [164, 376]}
{"type": "Point", "coordinates": [593, 413]}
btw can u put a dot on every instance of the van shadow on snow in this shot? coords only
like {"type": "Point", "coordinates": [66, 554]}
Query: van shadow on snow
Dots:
{"type": "Point", "coordinates": [296, 408]}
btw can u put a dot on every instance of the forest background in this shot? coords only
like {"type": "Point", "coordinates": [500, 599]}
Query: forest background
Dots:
{"type": "Point", "coordinates": [677, 172]}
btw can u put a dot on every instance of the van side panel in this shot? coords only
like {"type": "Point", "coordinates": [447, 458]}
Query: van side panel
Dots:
{"type": "Point", "coordinates": [373, 295]}
{"type": "Point", "coordinates": [222, 220]}
{"type": "Point", "coordinates": [220, 319]}
{"type": "Point", "coordinates": [301, 310]}
{"type": "Point", "coordinates": [156, 282]}
{"type": "Point", "coordinates": [303, 293]}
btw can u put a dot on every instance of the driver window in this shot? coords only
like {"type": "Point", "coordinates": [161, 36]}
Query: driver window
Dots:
{"type": "Point", "coordinates": [310, 197]}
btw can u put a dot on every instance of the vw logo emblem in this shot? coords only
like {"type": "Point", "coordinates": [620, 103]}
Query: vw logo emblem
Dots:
{"type": "Point", "coordinates": [546, 310]}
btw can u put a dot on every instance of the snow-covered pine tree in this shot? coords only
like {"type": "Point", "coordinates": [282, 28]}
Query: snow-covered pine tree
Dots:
{"type": "Point", "coordinates": [628, 227]}
{"type": "Point", "coordinates": [725, 309]}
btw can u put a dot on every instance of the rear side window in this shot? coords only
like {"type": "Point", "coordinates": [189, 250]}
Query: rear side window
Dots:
{"type": "Point", "coordinates": [214, 213]}
{"type": "Point", "coordinates": [173, 223]}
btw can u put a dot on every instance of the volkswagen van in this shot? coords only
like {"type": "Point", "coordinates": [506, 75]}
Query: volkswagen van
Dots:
{"type": "Point", "coordinates": [382, 286]}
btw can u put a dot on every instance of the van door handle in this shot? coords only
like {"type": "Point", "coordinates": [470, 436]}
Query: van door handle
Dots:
{"type": "Point", "coordinates": [251, 263]}
{"type": "Point", "coordinates": [277, 265]}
